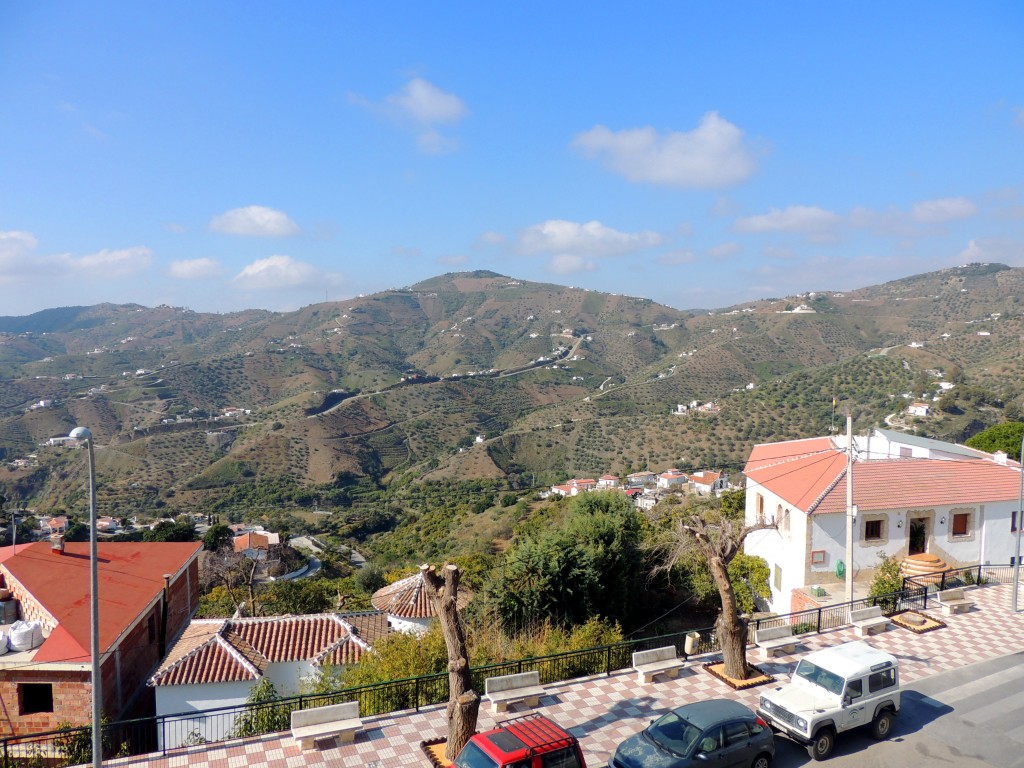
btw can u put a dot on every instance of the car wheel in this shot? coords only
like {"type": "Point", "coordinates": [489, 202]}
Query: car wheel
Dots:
{"type": "Point", "coordinates": [824, 741]}
{"type": "Point", "coordinates": [764, 760]}
{"type": "Point", "coordinates": [881, 727]}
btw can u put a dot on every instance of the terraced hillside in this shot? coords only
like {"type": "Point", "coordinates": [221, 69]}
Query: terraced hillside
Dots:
{"type": "Point", "coordinates": [481, 375]}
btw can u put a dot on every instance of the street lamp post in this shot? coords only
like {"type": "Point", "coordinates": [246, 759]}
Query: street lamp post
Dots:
{"type": "Point", "coordinates": [84, 433]}
{"type": "Point", "coordinates": [1020, 522]}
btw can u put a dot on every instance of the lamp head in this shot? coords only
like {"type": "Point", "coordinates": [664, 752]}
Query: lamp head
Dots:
{"type": "Point", "coordinates": [81, 433]}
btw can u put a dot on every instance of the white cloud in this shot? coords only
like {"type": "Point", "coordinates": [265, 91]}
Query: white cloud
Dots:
{"type": "Point", "coordinates": [276, 272]}
{"type": "Point", "coordinates": [107, 263]}
{"type": "Point", "coordinates": [711, 155]}
{"type": "Point", "coordinates": [1018, 118]}
{"type": "Point", "coordinates": [990, 249]}
{"type": "Point", "coordinates": [425, 103]}
{"type": "Point", "coordinates": [424, 106]}
{"type": "Point", "coordinates": [254, 221]}
{"type": "Point", "coordinates": [804, 219]}
{"type": "Point", "coordinates": [568, 264]}
{"type": "Point", "coordinates": [592, 239]}
{"type": "Point", "coordinates": [16, 255]}
{"type": "Point", "coordinates": [724, 250]}
{"type": "Point", "coordinates": [943, 210]}
{"type": "Point", "coordinates": [18, 262]}
{"type": "Point", "coordinates": [194, 269]}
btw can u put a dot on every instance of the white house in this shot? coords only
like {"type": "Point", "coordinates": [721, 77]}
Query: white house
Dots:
{"type": "Point", "coordinates": [919, 409]}
{"type": "Point", "coordinates": [216, 662]}
{"type": "Point", "coordinates": [707, 482]}
{"type": "Point", "coordinates": [672, 478]}
{"type": "Point", "coordinates": [912, 495]}
{"type": "Point", "coordinates": [607, 481]}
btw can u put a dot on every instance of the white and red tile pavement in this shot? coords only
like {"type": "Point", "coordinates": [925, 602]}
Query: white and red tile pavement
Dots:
{"type": "Point", "coordinates": [604, 710]}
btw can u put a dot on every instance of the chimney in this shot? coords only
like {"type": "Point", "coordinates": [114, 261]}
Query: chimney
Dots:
{"type": "Point", "coordinates": [57, 544]}
{"type": "Point", "coordinates": [1000, 457]}
{"type": "Point", "coordinates": [162, 644]}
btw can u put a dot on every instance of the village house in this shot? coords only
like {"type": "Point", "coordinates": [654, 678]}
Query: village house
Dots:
{"type": "Point", "coordinates": [147, 594]}
{"type": "Point", "coordinates": [53, 525]}
{"type": "Point", "coordinates": [256, 545]}
{"type": "Point", "coordinates": [919, 409]}
{"type": "Point", "coordinates": [573, 487]}
{"type": "Point", "coordinates": [707, 483]}
{"type": "Point", "coordinates": [605, 482]}
{"type": "Point", "coordinates": [638, 479]}
{"type": "Point", "coordinates": [672, 478]}
{"type": "Point", "coordinates": [913, 498]}
{"type": "Point", "coordinates": [217, 662]}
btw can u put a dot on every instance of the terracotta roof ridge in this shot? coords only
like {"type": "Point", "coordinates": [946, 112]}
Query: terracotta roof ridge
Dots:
{"type": "Point", "coordinates": [794, 457]}
{"type": "Point", "coordinates": [237, 654]}
{"type": "Point", "coordinates": [821, 496]}
{"type": "Point", "coordinates": [163, 671]}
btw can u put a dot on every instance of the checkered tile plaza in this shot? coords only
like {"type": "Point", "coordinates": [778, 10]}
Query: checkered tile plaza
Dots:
{"type": "Point", "coordinates": [604, 710]}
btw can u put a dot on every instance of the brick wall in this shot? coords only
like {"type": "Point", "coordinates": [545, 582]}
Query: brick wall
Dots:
{"type": "Point", "coordinates": [71, 701]}
{"type": "Point", "coordinates": [801, 601]}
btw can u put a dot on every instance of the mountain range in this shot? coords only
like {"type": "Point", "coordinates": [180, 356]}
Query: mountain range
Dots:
{"type": "Point", "coordinates": [481, 376]}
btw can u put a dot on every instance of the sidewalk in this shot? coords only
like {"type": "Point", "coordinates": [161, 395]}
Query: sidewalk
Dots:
{"type": "Point", "coordinates": [602, 711]}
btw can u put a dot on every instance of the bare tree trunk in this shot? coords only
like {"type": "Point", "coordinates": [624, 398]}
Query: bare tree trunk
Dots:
{"type": "Point", "coordinates": [463, 702]}
{"type": "Point", "coordinates": [732, 631]}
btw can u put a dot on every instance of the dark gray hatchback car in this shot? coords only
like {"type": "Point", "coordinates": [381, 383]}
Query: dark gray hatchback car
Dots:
{"type": "Point", "coordinates": [717, 732]}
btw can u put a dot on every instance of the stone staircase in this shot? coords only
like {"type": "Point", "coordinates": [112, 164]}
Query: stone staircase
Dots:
{"type": "Point", "coordinates": [924, 563]}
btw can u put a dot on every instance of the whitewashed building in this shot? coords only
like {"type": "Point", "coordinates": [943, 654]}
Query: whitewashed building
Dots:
{"type": "Point", "coordinates": [912, 495]}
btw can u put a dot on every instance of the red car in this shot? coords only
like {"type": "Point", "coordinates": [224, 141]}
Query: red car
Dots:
{"type": "Point", "coordinates": [531, 741]}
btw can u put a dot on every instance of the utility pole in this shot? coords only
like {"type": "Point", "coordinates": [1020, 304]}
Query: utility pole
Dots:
{"type": "Point", "coordinates": [849, 507]}
{"type": "Point", "coordinates": [1020, 524]}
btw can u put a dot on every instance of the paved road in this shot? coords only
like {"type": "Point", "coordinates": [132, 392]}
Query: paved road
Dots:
{"type": "Point", "coordinates": [970, 717]}
{"type": "Point", "coordinates": [314, 546]}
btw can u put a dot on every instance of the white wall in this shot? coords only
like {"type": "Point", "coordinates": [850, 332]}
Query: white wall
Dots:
{"type": "Point", "coordinates": [172, 699]}
{"type": "Point", "coordinates": [287, 676]}
{"type": "Point", "coordinates": [409, 626]}
{"type": "Point", "coordinates": [778, 548]}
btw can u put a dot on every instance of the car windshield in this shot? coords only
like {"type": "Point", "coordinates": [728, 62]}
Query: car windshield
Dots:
{"type": "Point", "coordinates": [673, 733]}
{"type": "Point", "coordinates": [472, 756]}
{"type": "Point", "coordinates": [820, 677]}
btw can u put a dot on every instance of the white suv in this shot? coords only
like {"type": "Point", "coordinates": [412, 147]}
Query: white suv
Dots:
{"type": "Point", "coordinates": [834, 690]}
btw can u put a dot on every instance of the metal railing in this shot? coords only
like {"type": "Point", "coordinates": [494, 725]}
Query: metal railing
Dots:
{"type": "Point", "coordinates": [164, 733]}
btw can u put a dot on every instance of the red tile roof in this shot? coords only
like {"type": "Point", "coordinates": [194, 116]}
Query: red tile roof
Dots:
{"type": "Point", "coordinates": [230, 650]}
{"type": "Point", "coordinates": [811, 476]}
{"type": "Point", "coordinates": [130, 578]}
{"type": "Point", "coordinates": [407, 598]}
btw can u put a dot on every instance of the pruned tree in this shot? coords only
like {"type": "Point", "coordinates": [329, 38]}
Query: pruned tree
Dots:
{"type": "Point", "coordinates": [463, 701]}
{"type": "Point", "coordinates": [714, 531]}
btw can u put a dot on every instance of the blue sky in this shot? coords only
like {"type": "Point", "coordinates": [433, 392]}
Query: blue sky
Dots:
{"type": "Point", "coordinates": [229, 155]}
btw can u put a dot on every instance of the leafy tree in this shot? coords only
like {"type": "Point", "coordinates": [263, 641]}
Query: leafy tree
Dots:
{"type": "Point", "coordinates": [1004, 437]}
{"type": "Point", "coordinates": [887, 578]}
{"type": "Point", "coordinates": [301, 596]}
{"type": "Point", "coordinates": [216, 537]}
{"type": "Point", "coordinates": [261, 714]}
{"type": "Point", "coordinates": [589, 564]}
{"type": "Point", "coordinates": [370, 578]}
{"type": "Point", "coordinates": [168, 531]}
{"type": "Point", "coordinates": [77, 532]}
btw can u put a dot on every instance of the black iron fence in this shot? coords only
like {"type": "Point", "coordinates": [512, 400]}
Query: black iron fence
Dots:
{"type": "Point", "coordinates": [163, 733]}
